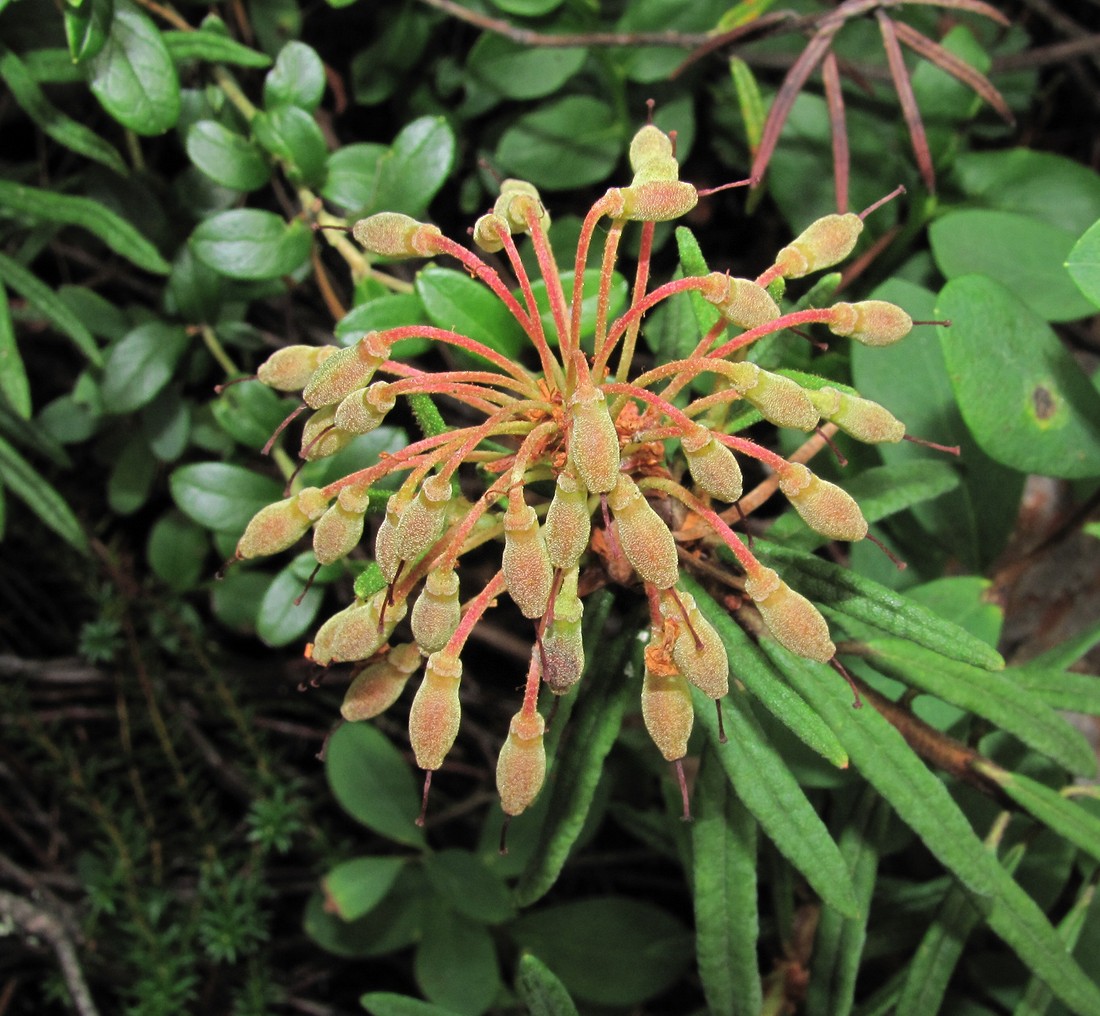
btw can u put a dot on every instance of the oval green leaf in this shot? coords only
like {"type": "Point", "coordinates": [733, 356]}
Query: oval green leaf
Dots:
{"type": "Point", "coordinates": [247, 243]}
{"type": "Point", "coordinates": [356, 887]}
{"type": "Point", "coordinates": [221, 496]}
{"type": "Point", "coordinates": [522, 72]}
{"type": "Point", "coordinates": [455, 301]}
{"type": "Point", "coordinates": [226, 157]}
{"type": "Point", "coordinates": [141, 364]}
{"type": "Point", "coordinates": [297, 79]}
{"type": "Point", "coordinates": [1083, 263]}
{"type": "Point", "coordinates": [411, 173]}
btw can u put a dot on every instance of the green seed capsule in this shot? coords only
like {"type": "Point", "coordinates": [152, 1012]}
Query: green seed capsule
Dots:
{"type": "Point", "coordinates": [824, 507]}
{"type": "Point", "coordinates": [337, 534]}
{"type": "Point", "coordinates": [648, 145]}
{"type": "Point", "coordinates": [643, 535]}
{"type": "Point", "coordinates": [487, 232]}
{"type": "Point", "coordinates": [345, 371]}
{"type": "Point", "coordinates": [290, 368]}
{"type": "Point", "coordinates": [667, 712]}
{"type": "Point", "coordinates": [713, 466]}
{"type": "Point", "coordinates": [740, 301]}
{"type": "Point", "coordinates": [780, 400]}
{"type": "Point", "coordinates": [528, 572]}
{"type": "Point", "coordinates": [426, 518]}
{"type": "Point", "coordinates": [363, 410]}
{"type": "Point", "coordinates": [357, 632]}
{"type": "Point", "coordinates": [652, 200]}
{"type": "Point", "coordinates": [436, 613]}
{"type": "Point", "coordinates": [568, 523]}
{"type": "Point", "coordinates": [435, 713]}
{"type": "Point", "coordinates": [871, 322]}
{"type": "Point", "coordinates": [393, 235]}
{"type": "Point", "coordinates": [824, 243]}
{"type": "Point", "coordinates": [794, 622]}
{"type": "Point", "coordinates": [562, 643]}
{"type": "Point", "coordinates": [385, 540]}
{"type": "Point", "coordinates": [379, 685]}
{"type": "Point", "coordinates": [321, 437]}
{"type": "Point", "coordinates": [521, 767]}
{"type": "Point", "coordinates": [273, 529]}
{"type": "Point", "coordinates": [593, 440]}
{"type": "Point", "coordinates": [517, 198]}
{"type": "Point", "coordinates": [863, 419]}
{"type": "Point", "coordinates": [704, 663]}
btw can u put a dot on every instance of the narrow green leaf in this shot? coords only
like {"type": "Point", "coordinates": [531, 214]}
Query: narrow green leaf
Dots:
{"type": "Point", "coordinates": [763, 782]}
{"type": "Point", "coordinates": [428, 418]}
{"type": "Point", "coordinates": [66, 131]}
{"type": "Point", "coordinates": [133, 75]}
{"type": "Point", "coordinates": [986, 693]}
{"type": "Point", "coordinates": [50, 305]}
{"type": "Point", "coordinates": [372, 781]}
{"type": "Point", "coordinates": [140, 365]}
{"type": "Point", "coordinates": [14, 385]}
{"type": "Point", "coordinates": [384, 1003]}
{"type": "Point", "coordinates": [249, 243]}
{"type": "Point", "coordinates": [1060, 689]}
{"type": "Point", "coordinates": [756, 672]}
{"type": "Point", "coordinates": [867, 601]}
{"type": "Point", "coordinates": [1066, 817]}
{"type": "Point", "coordinates": [723, 839]}
{"type": "Point", "coordinates": [923, 803]}
{"type": "Point", "coordinates": [749, 101]}
{"type": "Point", "coordinates": [540, 991]}
{"type": "Point", "coordinates": [694, 263]}
{"type": "Point", "coordinates": [213, 47]}
{"type": "Point", "coordinates": [838, 944]}
{"type": "Point", "coordinates": [226, 157]}
{"type": "Point", "coordinates": [23, 481]}
{"type": "Point", "coordinates": [40, 205]}
{"type": "Point", "coordinates": [355, 887]}
{"type": "Point", "coordinates": [593, 729]}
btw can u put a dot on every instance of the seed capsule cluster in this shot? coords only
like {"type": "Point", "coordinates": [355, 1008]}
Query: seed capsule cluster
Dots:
{"type": "Point", "coordinates": [559, 457]}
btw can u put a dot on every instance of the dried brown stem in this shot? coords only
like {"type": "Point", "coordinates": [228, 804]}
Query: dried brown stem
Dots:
{"type": "Point", "coordinates": [908, 100]}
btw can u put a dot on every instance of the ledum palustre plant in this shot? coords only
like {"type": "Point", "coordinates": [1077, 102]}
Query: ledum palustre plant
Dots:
{"type": "Point", "coordinates": [606, 439]}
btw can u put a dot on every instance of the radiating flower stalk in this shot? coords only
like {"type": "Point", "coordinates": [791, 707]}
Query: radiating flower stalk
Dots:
{"type": "Point", "coordinates": [572, 448]}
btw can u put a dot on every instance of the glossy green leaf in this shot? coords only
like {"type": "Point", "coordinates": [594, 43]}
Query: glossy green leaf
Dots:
{"type": "Point", "coordinates": [23, 481]}
{"type": "Point", "coordinates": [641, 949]}
{"type": "Point", "coordinates": [455, 301]}
{"type": "Point", "coordinates": [565, 143]}
{"type": "Point", "coordinates": [1083, 263]}
{"type": "Point", "coordinates": [297, 79]}
{"type": "Point", "coordinates": [1023, 254]}
{"type": "Point", "coordinates": [923, 803]}
{"type": "Point", "coordinates": [204, 44]}
{"type": "Point", "coordinates": [293, 137]}
{"type": "Point", "coordinates": [133, 75]}
{"type": "Point", "coordinates": [723, 841]}
{"type": "Point", "coordinates": [1065, 816]}
{"type": "Point", "coordinates": [373, 783]}
{"type": "Point", "coordinates": [527, 8]}
{"type": "Point", "coordinates": [250, 413]}
{"type": "Point", "coordinates": [354, 888]}
{"type": "Point", "coordinates": [14, 386]}
{"type": "Point", "coordinates": [383, 1003]}
{"type": "Point", "coordinates": [287, 609]}
{"type": "Point", "coordinates": [767, 788]}
{"type": "Point", "coordinates": [469, 886]}
{"type": "Point", "coordinates": [381, 313]}
{"type": "Point", "coordinates": [754, 670]}
{"type": "Point", "coordinates": [141, 364]}
{"type": "Point", "coordinates": [985, 693]}
{"type": "Point", "coordinates": [131, 477]}
{"type": "Point", "coordinates": [1025, 400]}
{"type": "Point", "coordinates": [839, 941]}
{"type": "Point", "coordinates": [226, 157]}
{"type": "Point", "coordinates": [540, 990]}
{"type": "Point", "coordinates": [42, 205]}
{"type": "Point", "coordinates": [575, 773]}
{"type": "Point", "coordinates": [522, 72]}
{"type": "Point", "coordinates": [177, 550]}
{"type": "Point", "coordinates": [351, 179]}
{"type": "Point", "coordinates": [86, 27]}
{"type": "Point", "coordinates": [44, 299]}
{"type": "Point", "coordinates": [866, 601]}
{"type": "Point", "coordinates": [66, 131]}
{"type": "Point", "coordinates": [248, 243]}
{"type": "Point", "coordinates": [222, 496]}
{"type": "Point", "coordinates": [456, 964]}
{"type": "Point", "coordinates": [416, 166]}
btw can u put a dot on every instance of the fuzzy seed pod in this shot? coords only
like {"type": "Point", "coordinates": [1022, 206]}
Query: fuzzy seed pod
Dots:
{"type": "Point", "coordinates": [273, 529]}
{"type": "Point", "coordinates": [593, 440]}
{"type": "Point", "coordinates": [357, 632]}
{"type": "Point", "coordinates": [794, 622]}
{"type": "Point", "coordinates": [740, 301]}
{"type": "Point", "coordinates": [822, 244]}
{"type": "Point", "coordinates": [426, 518]}
{"type": "Point", "coordinates": [667, 711]}
{"type": "Point", "coordinates": [436, 613]}
{"type": "Point", "coordinates": [517, 197]}
{"type": "Point", "coordinates": [345, 371]}
{"type": "Point", "coordinates": [568, 523]}
{"type": "Point", "coordinates": [289, 369]}
{"type": "Point", "coordinates": [521, 767]}
{"type": "Point", "coordinates": [649, 144]}
{"type": "Point", "coordinates": [528, 572]}
{"type": "Point", "coordinates": [562, 643]}
{"type": "Point", "coordinates": [385, 540]}
{"type": "Point", "coordinates": [652, 200]}
{"type": "Point", "coordinates": [863, 419]}
{"type": "Point", "coordinates": [393, 235]}
{"type": "Point", "coordinates": [337, 533]}
{"type": "Point", "coordinates": [435, 713]}
{"type": "Point", "coordinates": [713, 466]}
{"type": "Point", "coordinates": [378, 686]}
{"type": "Point", "coordinates": [486, 232]}
{"type": "Point", "coordinates": [321, 437]}
{"type": "Point", "coordinates": [872, 322]}
{"type": "Point", "coordinates": [363, 410]}
{"type": "Point", "coordinates": [824, 507]}
{"type": "Point", "coordinates": [643, 535]}
{"type": "Point", "coordinates": [778, 398]}
{"type": "Point", "coordinates": [705, 664]}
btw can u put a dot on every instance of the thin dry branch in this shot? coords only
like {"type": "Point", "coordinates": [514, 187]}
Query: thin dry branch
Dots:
{"type": "Point", "coordinates": [904, 87]}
